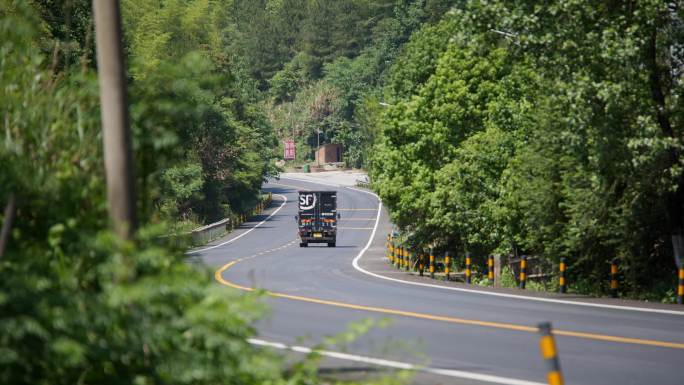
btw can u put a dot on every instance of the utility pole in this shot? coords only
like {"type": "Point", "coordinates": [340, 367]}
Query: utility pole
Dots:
{"type": "Point", "coordinates": [115, 120]}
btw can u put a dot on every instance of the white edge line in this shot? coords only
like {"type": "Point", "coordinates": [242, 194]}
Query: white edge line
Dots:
{"type": "Point", "coordinates": [356, 260]}
{"type": "Point", "coordinates": [395, 364]}
{"type": "Point", "coordinates": [246, 232]}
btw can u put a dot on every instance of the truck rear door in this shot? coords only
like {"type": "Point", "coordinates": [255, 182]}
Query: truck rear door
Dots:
{"type": "Point", "coordinates": [328, 209]}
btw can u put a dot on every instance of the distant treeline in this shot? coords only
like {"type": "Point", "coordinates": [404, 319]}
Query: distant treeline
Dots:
{"type": "Point", "coordinates": [322, 64]}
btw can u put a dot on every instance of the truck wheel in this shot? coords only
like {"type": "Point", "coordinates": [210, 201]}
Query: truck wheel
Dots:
{"type": "Point", "coordinates": [303, 244]}
{"type": "Point", "coordinates": [331, 244]}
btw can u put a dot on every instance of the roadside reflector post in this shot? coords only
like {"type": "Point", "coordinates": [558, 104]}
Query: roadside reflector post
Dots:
{"type": "Point", "coordinates": [468, 270]}
{"type": "Point", "coordinates": [432, 264]}
{"type": "Point", "coordinates": [680, 286]}
{"type": "Point", "coordinates": [402, 257]}
{"type": "Point", "coordinates": [447, 264]}
{"type": "Point", "coordinates": [407, 259]}
{"type": "Point", "coordinates": [394, 254]}
{"type": "Point", "coordinates": [421, 263]}
{"type": "Point", "coordinates": [523, 271]}
{"type": "Point", "coordinates": [490, 269]}
{"type": "Point", "coordinates": [614, 278]}
{"type": "Point", "coordinates": [562, 284]}
{"type": "Point", "coordinates": [397, 256]}
{"type": "Point", "coordinates": [549, 353]}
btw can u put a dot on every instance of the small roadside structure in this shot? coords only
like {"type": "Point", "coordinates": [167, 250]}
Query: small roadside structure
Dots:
{"type": "Point", "coordinates": [329, 153]}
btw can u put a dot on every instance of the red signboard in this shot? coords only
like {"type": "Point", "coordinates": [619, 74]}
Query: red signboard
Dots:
{"type": "Point", "coordinates": [289, 150]}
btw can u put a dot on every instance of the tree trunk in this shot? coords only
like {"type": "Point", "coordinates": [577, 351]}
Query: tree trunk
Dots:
{"type": "Point", "coordinates": [115, 126]}
{"type": "Point", "coordinates": [675, 200]}
{"type": "Point", "coordinates": [10, 211]}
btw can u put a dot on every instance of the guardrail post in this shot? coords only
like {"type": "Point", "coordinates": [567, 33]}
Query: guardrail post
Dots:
{"type": "Point", "coordinates": [447, 264]}
{"type": "Point", "coordinates": [490, 269]}
{"type": "Point", "coordinates": [421, 263]}
{"type": "Point", "coordinates": [402, 263]}
{"type": "Point", "coordinates": [468, 271]}
{"type": "Point", "coordinates": [562, 284]}
{"type": "Point", "coordinates": [432, 264]}
{"type": "Point", "coordinates": [549, 353]}
{"type": "Point", "coordinates": [680, 286]}
{"type": "Point", "coordinates": [614, 278]}
{"type": "Point", "coordinates": [523, 271]}
{"type": "Point", "coordinates": [404, 254]}
{"type": "Point", "coordinates": [397, 259]}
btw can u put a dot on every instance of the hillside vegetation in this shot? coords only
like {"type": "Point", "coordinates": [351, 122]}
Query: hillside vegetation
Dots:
{"type": "Point", "coordinates": [552, 130]}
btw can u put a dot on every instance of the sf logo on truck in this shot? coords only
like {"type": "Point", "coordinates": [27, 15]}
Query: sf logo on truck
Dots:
{"type": "Point", "coordinates": [307, 201]}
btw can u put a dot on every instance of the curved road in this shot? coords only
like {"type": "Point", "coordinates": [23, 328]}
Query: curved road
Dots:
{"type": "Point", "coordinates": [460, 337]}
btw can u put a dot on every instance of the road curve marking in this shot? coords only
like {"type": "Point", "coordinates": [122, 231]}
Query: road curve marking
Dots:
{"type": "Point", "coordinates": [394, 364]}
{"type": "Point", "coordinates": [284, 198]}
{"type": "Point", "coordinates": [218, 275]}
{"type": "Point", "coordinates": [355, 264]}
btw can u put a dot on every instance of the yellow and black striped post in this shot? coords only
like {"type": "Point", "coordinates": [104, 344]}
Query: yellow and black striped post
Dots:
{"type": "Point", "coordinates": [468, 271]}
{"type": "Point", "coordinates": [447, 264]}
{"type": "Point", "coordinates": [397, 260]}
{"type": "Point", "coordinates": [549, 353]}
{"type": "Point", "coordinates": [523, 271]}
{"type": "Point", "coordinates": [614, 278]}
{"type": "Point", "coordinates": [421, 263]}
{"type": "Point", "coordinates": [403, 257]}
{"type": "Point", "coordinates": [390, 249]}
{"type": "Point", "coordinates": [490, 268]}
{"type": "Point", "coordinates": [432, 264]}
{"type": "Point", "coordinates": [407, 258]}
{"type": "Point", "coordinates": [562, 283]}
{"type": "Point", "coordinates": [404, 262]}
{"type": "Point", "coordinates": [680, 286]}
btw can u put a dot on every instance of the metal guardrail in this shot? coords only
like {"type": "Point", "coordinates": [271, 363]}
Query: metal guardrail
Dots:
{"type": "Point", "coordinates": [208, 233]}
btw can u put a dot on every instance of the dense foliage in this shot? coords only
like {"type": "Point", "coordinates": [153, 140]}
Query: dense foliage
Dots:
{"type": "Point", "coordinates": [551, 130]}
{"type": "Point", "coordinates": [78, 305]}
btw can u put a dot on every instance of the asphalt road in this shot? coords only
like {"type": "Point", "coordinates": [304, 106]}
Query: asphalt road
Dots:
{"type": "Point", "coordinates": [461, 337]}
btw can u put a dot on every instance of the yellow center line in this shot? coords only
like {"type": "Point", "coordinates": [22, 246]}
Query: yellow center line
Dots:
{"type": "Point", "coordinates": [218, 275]}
